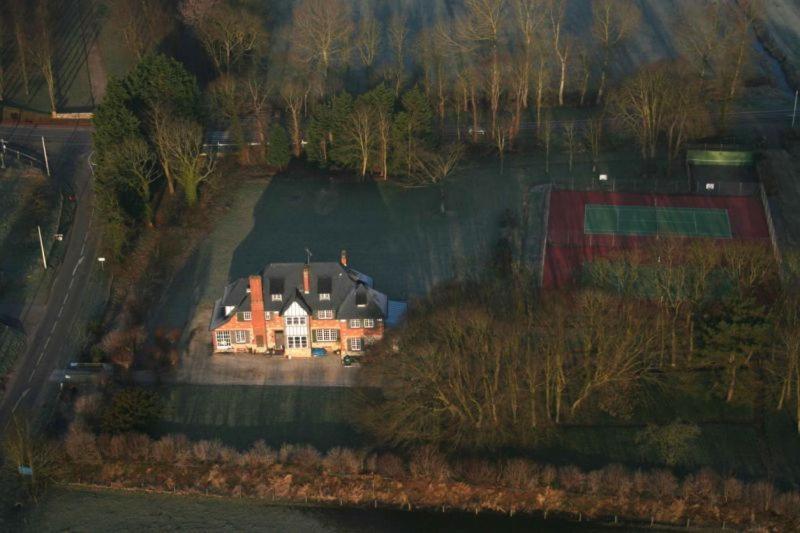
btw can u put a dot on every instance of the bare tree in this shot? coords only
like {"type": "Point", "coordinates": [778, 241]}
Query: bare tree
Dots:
{"type": "Point", "coordinates": [368, 40]}
{"type": "Point", "coordinates": [529, 16]}
{"type": "Point", "coordinates": [141, 23]}
{"type": "Point", "coordinates": [640, 106]}
{"type": "Point", "coordinates": [18, 12]}
{"type": "Point", "coordinates": [561, 43]}
{"type": "Point", "coordinates": [612, 23]}
{"type": "Point", "coordinates": [293, 93]}
{"type": "Point", "coordinates": [547, 140]}
{"type": "Point", "coordinates": [139, 169]}
{"type": "Point", "coordinates": [160, 124]}
{"type": "Point", "coordinates": [42, 48]}
{"type": "Point", "coordinates": [594, 137]}
{"type": "Point", "coordinates": [229, 34]}
{"type": "Point", "coordinates": [570, 141]}
{"type": "Point", "coordinates": [432, 54]}
{"type": "Point", "coordinates": [398, 35]}
{"type": "Point", "coordinates": [477, 34]}
{"type": "Point", "coordinates": [184, 147]}
{"type": "Point", "coordinates": [322, 31]}
{"type": "Point", "coordinates": [257, 95]}
{"type": "Point", "coordinates": [437, 166]}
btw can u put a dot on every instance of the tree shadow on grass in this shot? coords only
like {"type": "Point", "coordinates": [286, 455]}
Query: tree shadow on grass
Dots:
{"type": "Point", "coordinates": [398, 236]}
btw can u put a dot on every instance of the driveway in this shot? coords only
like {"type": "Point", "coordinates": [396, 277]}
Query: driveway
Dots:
{"type": "Point", "coordinates": [199, 366]}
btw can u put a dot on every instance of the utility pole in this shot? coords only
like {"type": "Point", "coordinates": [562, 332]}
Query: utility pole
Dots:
{"type": "Point", "coordinates": [46, 163]}
{"type": "Point", "coordinates": [41, 246]}
{"type": "Point", "coordinates": [794, 113]}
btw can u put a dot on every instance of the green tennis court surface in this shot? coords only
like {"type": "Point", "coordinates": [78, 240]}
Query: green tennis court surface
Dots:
{"type": "Point", "coordinates": [645, 220]}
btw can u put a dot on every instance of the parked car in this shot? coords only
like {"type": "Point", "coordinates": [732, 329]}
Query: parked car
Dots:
{"type": "Point", "coordinates": [351, 360]}
{"type": "Point", "coordinates": [319, 352]}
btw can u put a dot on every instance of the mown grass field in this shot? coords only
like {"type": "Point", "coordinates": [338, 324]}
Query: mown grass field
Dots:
{"type": "Point", "coordinates": [240, 415]}
{"type": "Point", "coordinates": [86, 510]}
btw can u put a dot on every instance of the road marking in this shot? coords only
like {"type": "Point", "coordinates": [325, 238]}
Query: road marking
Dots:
{"type": "Point", "coordinates": [53, 328]}
{"type": "Point", "coordinates": [32, 373]}
{"type": "Point", "coordinates": [41, 354]}
{"type": "Point", "coordinates": [77, 264]}
{"type": "Point", "coordinates": [21, 396]}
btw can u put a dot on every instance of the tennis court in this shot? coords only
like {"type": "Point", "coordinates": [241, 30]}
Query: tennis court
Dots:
{"type": "Point", "coordinates": [646, 220]}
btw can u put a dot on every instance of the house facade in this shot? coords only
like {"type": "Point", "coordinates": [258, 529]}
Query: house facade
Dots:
{"type": "Point", "coordinates": [291, 309]}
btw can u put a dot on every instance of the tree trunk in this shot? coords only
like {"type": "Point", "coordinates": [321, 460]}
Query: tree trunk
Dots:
{"type": "Point", "coordinates": [563, 83]}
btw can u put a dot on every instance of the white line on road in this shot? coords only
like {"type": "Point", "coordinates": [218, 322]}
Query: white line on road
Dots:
{"type": "Point", "coordinates": [77, 264]}
{"type": "Point", "coordinates": [32, 373]}
{"type": "Point", "coordinates": [21, 396]}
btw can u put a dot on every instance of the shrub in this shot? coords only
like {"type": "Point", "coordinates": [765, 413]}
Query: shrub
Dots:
{"type": "Point", "coordinates": [428, 463]}
{"type": "Point", "coordinates": [594, 481]}
{"type": "Point", "coordinates": [391, 466]}
{"type": "Point", "coordinates": [306, 456]}
{"type": "Point", "coordinates": [81, 445]}
{"type": "Point", "coordinates": [206, 450]}
{"type": "Point", "coordinates": [132, 409]}
{"type": "Point", "coordinates": [259, 455]}
{"type": "Point", "coordinates": [167, 448]}
{"type": "Point", "coordinates": [672, 444]}
{"type": "Point", "coordinates": [732, 490]}
{"type": "Point", "coordinates": [761, 495]}
{"type": "Point", "coordinates": [571, 478]}
{"type": "Point", "coordinates": [548, 475]}
{"type": "Point", "coordinates": [663, 483]}
{"type": "Point", "coordinates": [344, 461]}
{"type": "Point", "coordinates": [285, 453]}
{"type": "Point", "coordinates": [478, 472]}
{"type": "Point", "coordinates": [617, 480]}
{"type": "Point", "coordinates": [518, 474]}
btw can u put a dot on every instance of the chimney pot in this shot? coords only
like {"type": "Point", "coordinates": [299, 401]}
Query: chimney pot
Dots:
{"type": "Point", "coordinates": [343, 258]}
{"type": "Point", "coordinates": [306, 279]}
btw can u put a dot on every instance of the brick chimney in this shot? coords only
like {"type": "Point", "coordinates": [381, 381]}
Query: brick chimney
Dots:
{"type": "Point", "coordinates": [257, 308]}
{"type": "Point", "coordinates": [306, 279]}
{"type": "Point", "coordinates": [343, 258]}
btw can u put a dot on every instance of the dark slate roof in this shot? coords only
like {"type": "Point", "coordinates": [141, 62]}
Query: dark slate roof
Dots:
{"type": "Point", "coordinates": [351, 292]}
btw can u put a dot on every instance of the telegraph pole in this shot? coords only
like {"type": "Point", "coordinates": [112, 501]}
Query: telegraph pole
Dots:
{"type": "Point", "coordinates": [41, 246]}
{"type": "Point", "coordinates": [46, 163]}
{"type": "Point", "coordinates": [794, 113]}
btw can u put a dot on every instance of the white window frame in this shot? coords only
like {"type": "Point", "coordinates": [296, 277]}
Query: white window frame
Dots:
{"type": "Point", "coordinates": [266, 315]}
{"type": "Point", "coordinates": [296, 321]}
{"type": "Point", "coordinates": [354, 323]}
{"type": "Point", "coordinates": [297, 341]}
{"type": "Point", "coordinates": [325, 314]}
{"type": "Point", "coordinates": [369, 323]}
{"type": "Point", "coordinates": [326, 335]}
{"type": "Point", "coordinates": [247, 315]}
{"type": "Point", "coordinates": [324, 296]}
{"type": "Point", "coordinates": [241, 336]}
{"type": "Point", "coordinates": [355, 344]}
{"type": "Point", "coordinates": [276, 297]}
{"type": "Point", "coordinates": [223, 339]}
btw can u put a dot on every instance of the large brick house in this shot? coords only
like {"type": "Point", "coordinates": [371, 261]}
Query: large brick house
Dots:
{"type": "Point", "coordinates": [292, 308]}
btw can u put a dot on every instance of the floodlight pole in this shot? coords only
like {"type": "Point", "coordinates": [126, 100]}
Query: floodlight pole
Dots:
{"type": "Point", "coordinates": [794, 112]}
{"type": "Point", "coordinates": [46, 162]}
{"type": "Point", "coordinates": [41, 247]}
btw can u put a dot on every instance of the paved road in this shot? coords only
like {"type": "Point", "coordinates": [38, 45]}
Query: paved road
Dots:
{"type": "Point", "coordinates": [68, 150]}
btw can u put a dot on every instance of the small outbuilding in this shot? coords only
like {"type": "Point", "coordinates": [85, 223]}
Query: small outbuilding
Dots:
{"type": "Point", "coordinates": [722, 170]}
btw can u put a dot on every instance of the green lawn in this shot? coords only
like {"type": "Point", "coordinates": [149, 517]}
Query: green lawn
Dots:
{"type": "Point", "coordinates": [240, 415]}
{"type": "Point", "coordinates": [396, 235]}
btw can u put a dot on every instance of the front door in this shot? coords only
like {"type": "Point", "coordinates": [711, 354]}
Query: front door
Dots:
{"type": "Point", "coordinates": [279, 340]}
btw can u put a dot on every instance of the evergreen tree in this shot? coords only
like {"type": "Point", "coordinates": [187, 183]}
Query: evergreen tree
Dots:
{"type": "Point", "coordinates": [412, 131]}
{"type": "Point", "coordinates": [279, 152]}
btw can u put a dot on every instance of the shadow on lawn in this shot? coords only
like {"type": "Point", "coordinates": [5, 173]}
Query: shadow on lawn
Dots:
{"type": "Point", "coordinates": [398, 236]}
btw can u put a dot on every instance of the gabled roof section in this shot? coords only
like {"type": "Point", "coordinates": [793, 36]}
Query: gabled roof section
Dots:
{"type": "Point", "coordinates": [300, 299]}
{"type": "Point", "coordinates": [350, 292]}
